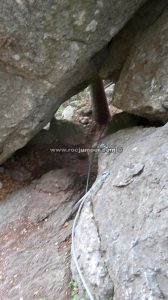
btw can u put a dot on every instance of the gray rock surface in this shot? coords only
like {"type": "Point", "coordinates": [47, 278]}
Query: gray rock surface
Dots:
{"type": "Point", "coordinates": [48, 52]}
{"type": "Point", "coordinates": [68, 132]}
{"type": "Point", "coordinates": [90, 258]}
{"type": "Point", "coordinates": [129, 214]}
{"type": "Point", "coordinates": [121, 44]}
{"type": "Point", "coordinates": [68, 113]}
{"type": "Point", "coordinates": [109, 93]}
{"type": "Point", "coordinates": [35, 238]}
{"type": "Point", "coordinates": [62, 131]}
{"type": "Point", "coordinates": [18, 173]}
{"type": "Point", "coordinates": [121, 121]}
{"type": "Point", "coordinates": [142, 87]}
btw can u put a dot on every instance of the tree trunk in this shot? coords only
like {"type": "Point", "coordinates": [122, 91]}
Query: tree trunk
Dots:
{"type": "Point", "coordinates": [100, 108]}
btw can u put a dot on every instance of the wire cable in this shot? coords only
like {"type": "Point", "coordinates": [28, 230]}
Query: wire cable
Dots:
{"type": "Point", "coordinates": [82, 201]}
{"type": "Point", "coordinates": [106, 86]}
{"type": "Point", "coordinates": [89, 171]}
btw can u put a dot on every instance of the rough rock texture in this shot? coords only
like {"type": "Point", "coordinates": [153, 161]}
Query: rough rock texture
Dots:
{"type": "Point", "coordinates": [143, 85]}
{"type": "Point", "coordinates": [121, 121]}
{"type": "Point", "coordinates": [90, 258]}
{"type": "Point", "coordinates": [48, 52]}
{"type": "Point", "coordinates": [68, 113]}
{"type": "Point", "coordinates": [129, 214]}
{"type": "Point", "coordinates": [62, 131]}
{"type": "Point", "coordinates": [121, 44]}
{"type": "Point", "coordinates": [67, 132]}
{"type": "Point", "coordinates": [35, 238]}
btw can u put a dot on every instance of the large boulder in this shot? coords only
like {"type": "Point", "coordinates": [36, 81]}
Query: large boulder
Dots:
{"type": "Point", "coordinates": [48, 52]}
{"type": "Point", "coordinates": [60, 131]}
{"type": "Point", "coordinates": [121, 44]}
{"type": "Point", "coordinates": [35, 238]}
{"type": "Point", "coordinates": [121, 237]}
{"type": "Point", "coordinates": [142, 86]}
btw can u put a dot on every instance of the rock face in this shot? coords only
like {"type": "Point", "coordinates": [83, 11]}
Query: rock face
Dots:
{"type": "Point", "coordinates": [68, 113]}
{"type": "Point", "coordinates": [124, 226]}
{"type": "Point", "coordinates": [121, 44]}
{"type": "Point", "coordinates": [48, 52]}
{"type": "Point", "coordinates": [62, 131]}
{"type": "Point", "coordinates": [67, 132]}
{"type": "Point", "coordinates": [121, 121]}
{"type": "Point", "coordinates": [35, 238]}
{"type": "Point", "coordinates": [142, 87]}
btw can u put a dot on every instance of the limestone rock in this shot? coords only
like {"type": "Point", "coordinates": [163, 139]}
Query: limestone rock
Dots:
{"type": "Point", "coordinates": [68, 113]}
{"type": "Point", "coordinates": [63, 131]}
{"type": "Point", "coordinates": [121, 44]}
{"type": "Point", "coordinates": [67, 132]}
{"type": "Point", "coordinates": [121, 121]}
{"type": "Point", "coordinates": [34, 241]}
{"type": "Point", "coordinates": [44, 137]}
{"type": "Point", "coordinates": [109, 93]}
{"type": "Point", "coordinates": [142, 87]}
{"type": "Point", "coordinates": [18, 173]}
{"type": "Point", "coordinates": [91, 260]}
{"type": "Point", "coordinates": [130, 213]}
{"type": "Point", "coordinates": [48, 52]}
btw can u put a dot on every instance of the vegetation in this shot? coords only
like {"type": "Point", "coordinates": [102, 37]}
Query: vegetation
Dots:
{"type": "Point", "coordinates": [74, 290]}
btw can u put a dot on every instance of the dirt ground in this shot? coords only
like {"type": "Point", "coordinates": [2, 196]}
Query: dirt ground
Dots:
{"type": "Point", "coordinates": [37, 194]}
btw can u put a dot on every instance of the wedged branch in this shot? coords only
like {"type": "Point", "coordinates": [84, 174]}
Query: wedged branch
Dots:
{"type": "Point", "coordinates": [100, 108]}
